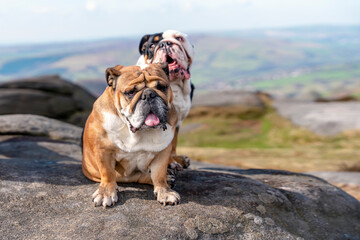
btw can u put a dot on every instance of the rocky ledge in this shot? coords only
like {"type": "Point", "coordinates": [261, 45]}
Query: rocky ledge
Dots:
{"type": "Point", "coordinates": [44, 195]}
{"type": "Point", "coordinates": [49, 96]}
{"type": "Point", "coordinates": [322, 118]}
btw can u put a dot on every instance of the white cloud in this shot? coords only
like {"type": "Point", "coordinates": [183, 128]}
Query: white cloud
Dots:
{"type": "Point", "coordinates": [243, 1]}
{"type": "Point", "coordinates": [41, 10]}
{"type": "Point", "coordinates": [187, 6]}
{"type": "Point", "coordinates": [90, 6]}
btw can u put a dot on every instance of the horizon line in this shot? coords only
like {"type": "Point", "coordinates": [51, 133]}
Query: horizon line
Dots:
{"type": "Point", "coordinates": [196, 32]}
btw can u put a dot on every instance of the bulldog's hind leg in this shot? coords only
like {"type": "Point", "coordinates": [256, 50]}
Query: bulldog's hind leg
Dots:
{"type": "Point", "coordinates": [177, 162]}
{"type": "Point", "coordinates": [162, 190]}
{"type": "Point", "coordinates": [106, 194]}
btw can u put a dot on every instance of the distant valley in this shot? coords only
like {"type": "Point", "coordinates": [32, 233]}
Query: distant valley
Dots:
{"type": "Point", "coordinates": [293, 63]}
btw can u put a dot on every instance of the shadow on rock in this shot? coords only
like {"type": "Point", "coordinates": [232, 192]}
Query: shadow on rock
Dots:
{"type": "Point", "coordinates": [38, 159]}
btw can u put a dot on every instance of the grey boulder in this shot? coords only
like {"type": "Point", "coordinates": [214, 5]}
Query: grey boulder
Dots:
{"type": "Point", "coordinates": [34, 125]}
{"type": "Point", "coordinates": [49, 96]}
{"type": "Point", "coordinates": [44, 195]}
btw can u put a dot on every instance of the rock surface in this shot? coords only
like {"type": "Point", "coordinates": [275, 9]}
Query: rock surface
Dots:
{"type": "Point", "coordinates": [44, 195]}
{"type": "Point", "coordinates": [325, 119]}
{"type": "Point", "coordinates": [34, 125]}
{"type": "Point", "coordinates": [339, 177]}
{"type": "Point", "coordinates": [347, 181]}
{"type": "Point", "coordinates": [49, 96]}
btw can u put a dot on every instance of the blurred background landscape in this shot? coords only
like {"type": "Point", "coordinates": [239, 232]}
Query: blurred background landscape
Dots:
{"type": "Point", "coordinates": [253, 64]}
{"type": "Point", "coordinates": [298, 63]}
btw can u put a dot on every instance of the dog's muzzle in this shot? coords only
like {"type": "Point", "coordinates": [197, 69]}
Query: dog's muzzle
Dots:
{"type": "Point", "coordinates": [150, 112]}
{"type": "Point", "coordinates": [151, 119]}
{"type": "Point", "coordinates": [165, 43]}
{"type": "Point", "coordinates": [170, 53]}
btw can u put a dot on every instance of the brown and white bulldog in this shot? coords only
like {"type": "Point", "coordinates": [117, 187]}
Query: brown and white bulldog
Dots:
{"type": "Point", "coordinates": [127, 137]}
{"type": "Point", "coordinates": [174, 48]}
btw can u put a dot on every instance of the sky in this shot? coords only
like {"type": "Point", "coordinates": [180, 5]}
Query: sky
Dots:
{"type": "Point", "coordinates": [42, 21]}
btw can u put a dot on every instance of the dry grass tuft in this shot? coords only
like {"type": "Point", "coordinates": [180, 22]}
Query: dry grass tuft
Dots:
{"type": "Point", "coordinates": [350, 167]}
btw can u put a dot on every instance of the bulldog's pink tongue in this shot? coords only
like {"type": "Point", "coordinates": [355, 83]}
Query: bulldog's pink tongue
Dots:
{"type": "Point", "coordinates": [186, 74]}
{"type": "Point", "coordinates": [152, 120]}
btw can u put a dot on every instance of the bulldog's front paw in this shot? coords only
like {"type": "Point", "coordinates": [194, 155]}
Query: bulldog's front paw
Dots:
{"type": "Point", "coordinates": [106, 195]}
{"type": "Point", "coordinates": [183, 160]}
{"type": "Point", "coordinates": [166, 196]}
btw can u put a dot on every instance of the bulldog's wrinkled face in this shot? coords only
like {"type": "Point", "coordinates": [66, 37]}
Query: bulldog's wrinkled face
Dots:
{"type": "Point", "coordinates": [171, 47]}
{"type": "Point", "coordinates": [142, 97]}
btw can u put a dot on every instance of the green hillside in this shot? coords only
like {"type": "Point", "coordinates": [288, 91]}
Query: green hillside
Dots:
{"type": "Point", "coordinates": [288, 62]}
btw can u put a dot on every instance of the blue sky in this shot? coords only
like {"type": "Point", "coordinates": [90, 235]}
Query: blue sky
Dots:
{"type": "Point", "coordinates": [39, 21]}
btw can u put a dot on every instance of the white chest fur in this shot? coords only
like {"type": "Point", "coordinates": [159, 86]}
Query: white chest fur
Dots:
{"type": "Point", "coordinates": [182, 102]}
{"type": "Point", "coordinates": [137, 160]}
{"type": "Point", "coordinates": [148, 140]}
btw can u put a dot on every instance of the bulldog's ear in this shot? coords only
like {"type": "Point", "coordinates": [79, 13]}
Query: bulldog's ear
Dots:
{"type": "Point", "coordinates": [143, 40]}
{"type": "Point", "coordinates": [111, 74]}
{"type": "Point", "coordinates": [164, 66]}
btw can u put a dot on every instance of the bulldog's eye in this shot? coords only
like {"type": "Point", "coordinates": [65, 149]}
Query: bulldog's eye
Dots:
{"type": "Point", "coordinates": [130, 93]}
{"type": "Point", "coordinates": [180, 39]}
{"type": "Point", "coordinates": [162, 87]}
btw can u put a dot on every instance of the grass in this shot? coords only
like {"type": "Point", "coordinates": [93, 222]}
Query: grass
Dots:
{"type": "Point", "coordinates": [265, 140]}
{"type": "Point", "coordinates": [356, 95]}
{"type": "Point", "coordinates": [325, 75]}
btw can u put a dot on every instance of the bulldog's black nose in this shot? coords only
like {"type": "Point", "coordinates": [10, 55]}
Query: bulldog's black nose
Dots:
{"type": "Point", "coordinates": [163, 44]}
{"type": "Point", "coordinates": [148, 94]}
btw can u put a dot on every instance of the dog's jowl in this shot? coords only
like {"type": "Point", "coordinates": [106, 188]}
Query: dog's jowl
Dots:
{"type": "Point", "coordinates": [128, 135]}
